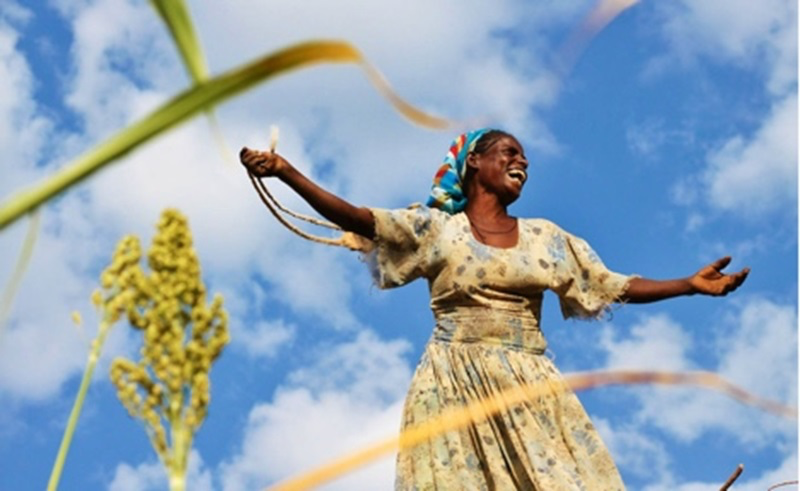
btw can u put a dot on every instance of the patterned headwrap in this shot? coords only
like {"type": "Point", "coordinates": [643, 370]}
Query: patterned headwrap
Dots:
{"type": "Point", "coordinates": [447, 193]}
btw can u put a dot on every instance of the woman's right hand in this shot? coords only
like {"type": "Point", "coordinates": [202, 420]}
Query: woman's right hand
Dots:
{"type": "Point", "coordinates": [261, 163]}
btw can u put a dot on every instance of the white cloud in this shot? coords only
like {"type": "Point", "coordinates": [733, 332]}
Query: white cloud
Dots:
{"type": "Point", "coordinates": [766, 332]}
{"type": "Point", "coordinates": [648, 138]}
{"type": "Point", "coordinates": [355, 366]}
{"type": "Point", "coordinates": [760, 330]}
{"type": "Point", "coordinates": [755, 175]}
{"type": "Point", "coordinates": [635, 452]}
{"type": "Point", "coordinates": [748, 174]}
{"type": "Point", "coordinates": [350, 398]}
{"type": "Point", "coordinates": [785, 471]}
{"type": "Point", "coordinates": [265, 338]}
{"type": "Point", "coordinates": [655, 343]}
{"type": "Point", "coordinates": [751, 175]}
{"type": "Point", "coordinates": [151, 476]}
{"type": "Point", "coordinates": [751, 34]}
{"type": "Point", "coordinates": [39, 327]}
{"type": "Point", "coordinates": [122, 60]}
{"type": "Point", "coordinates": [23, 130]}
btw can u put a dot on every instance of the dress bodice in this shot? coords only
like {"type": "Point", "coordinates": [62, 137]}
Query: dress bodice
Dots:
{"type": "Point", "coordinates": [501, 288]}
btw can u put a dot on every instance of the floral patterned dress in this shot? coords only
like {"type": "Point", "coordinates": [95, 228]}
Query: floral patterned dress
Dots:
{"type": "Point", "coordinates": [487, 305]}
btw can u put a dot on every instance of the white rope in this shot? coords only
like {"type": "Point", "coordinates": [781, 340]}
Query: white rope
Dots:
{"type": "Point", "coordinates": [349, 240]}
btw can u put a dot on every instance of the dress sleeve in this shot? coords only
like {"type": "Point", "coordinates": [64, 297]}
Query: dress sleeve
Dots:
{"type": "Point", "coordinates": [585, 287]}
{"type": "Point", "coordinates": [403, 240]}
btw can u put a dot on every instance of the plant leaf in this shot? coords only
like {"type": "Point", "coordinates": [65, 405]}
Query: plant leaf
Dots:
{"type": "Point", "coordinates": [201, 97]}
{"type": "Point", "coordinates": [179, 23]}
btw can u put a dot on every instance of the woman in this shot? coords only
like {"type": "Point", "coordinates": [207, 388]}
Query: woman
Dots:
{"type": "Point", "coordinates": [487, 271]}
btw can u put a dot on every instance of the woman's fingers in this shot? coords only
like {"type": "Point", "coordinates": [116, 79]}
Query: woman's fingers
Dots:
{"type": "Point", "coordinates": [739, 278]}
{"type": "Point", "coordinates": [259, 163]}
{"type": "Point", "coordinates": [720, 263]}
{"type": "Point", "coordinates": [712, 281]}
{"type": "Point", "coordinates": [734, 281]}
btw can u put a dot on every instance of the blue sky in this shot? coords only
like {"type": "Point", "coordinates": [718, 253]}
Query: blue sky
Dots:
{"type": "Point", "coordinates": [671, 142]}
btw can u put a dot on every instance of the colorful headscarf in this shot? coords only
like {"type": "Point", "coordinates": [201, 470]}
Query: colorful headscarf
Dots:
{"type": "Point", "coordinates": [447, 193]}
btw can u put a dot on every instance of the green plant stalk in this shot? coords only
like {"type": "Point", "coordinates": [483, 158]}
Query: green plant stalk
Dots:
{"type": "Point", "coordinates": [22, 263]}
{"type": "Point", "coordinates": [176, 16]}
{"type": "Point", "coordinates": [77, 406]}
{"type": "Point", "coordinates": [179, 462]}
{"type": "Point", "coordinates": [181, 443]}
{"type": "Point", "coordinates": [187, 104]}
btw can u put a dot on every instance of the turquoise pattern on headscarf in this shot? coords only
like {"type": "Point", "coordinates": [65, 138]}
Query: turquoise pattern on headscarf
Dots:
{"type": "Point", "coordinates": [447, 192]}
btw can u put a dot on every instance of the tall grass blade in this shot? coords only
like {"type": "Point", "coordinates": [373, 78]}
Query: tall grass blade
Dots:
{"type": "Point", "coordinates": [176, 16]}
{"type": "Point", "coordinates": [24, 260]}
{"type": "Point", "coordinates": [77, 406]}
{"type": "Point", "coordinates": [187, 104]}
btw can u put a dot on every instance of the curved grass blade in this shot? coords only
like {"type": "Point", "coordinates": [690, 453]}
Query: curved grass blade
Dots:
{"type": "Point", "coordinates": [77, 405]}
{"type": "Point", "coordinates": [603, 13]}
{"type": "Point", "coordinates": [179, 23]}
{"type": "Point", "coordinates": [176, 16]}
{"type": "Point", "coordinates": [24, 260]}
{"type": "Point", "coordinates": [187, 104]}
{"type": "Point", "coordinates": [460, 417]}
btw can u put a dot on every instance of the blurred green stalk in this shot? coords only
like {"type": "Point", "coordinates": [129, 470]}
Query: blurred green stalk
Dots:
{"type": "Point", "coordinates": [22, 263]}
{"type": "Point", "coordinates": [175, 15]}
{"type": "Point", "coordinates": [77, 406]}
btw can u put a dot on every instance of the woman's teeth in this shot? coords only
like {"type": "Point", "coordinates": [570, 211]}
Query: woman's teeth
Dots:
{"type": "Point", "coordinates": [518, 174]}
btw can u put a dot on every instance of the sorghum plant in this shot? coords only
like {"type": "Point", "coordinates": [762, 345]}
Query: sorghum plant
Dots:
{"type": "Point", "coordinates": [168, 388]}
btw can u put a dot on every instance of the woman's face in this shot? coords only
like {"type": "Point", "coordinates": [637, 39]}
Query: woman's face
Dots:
{"type": "Point", "coordinates": [502, 169]}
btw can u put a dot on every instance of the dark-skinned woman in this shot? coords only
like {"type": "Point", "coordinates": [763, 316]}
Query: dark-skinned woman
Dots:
{"type": "Point", "coordinates": [486, 272]}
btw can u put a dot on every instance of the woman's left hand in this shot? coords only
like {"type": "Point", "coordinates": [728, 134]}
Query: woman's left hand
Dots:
{"type": "Point", "coordinates": [712, 281]}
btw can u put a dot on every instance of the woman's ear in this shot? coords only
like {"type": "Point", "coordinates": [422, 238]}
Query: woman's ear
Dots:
{"type": "Point", "coordinates": [472, 161]}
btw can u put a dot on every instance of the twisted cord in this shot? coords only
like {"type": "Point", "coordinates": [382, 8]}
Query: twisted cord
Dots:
{"type": "Point", "coordinates": [322, 223]}
{"type": "Point", "coordinates": [348, 240]}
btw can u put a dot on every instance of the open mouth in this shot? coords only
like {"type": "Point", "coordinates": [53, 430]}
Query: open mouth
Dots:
{"type": "Point", "coordinates": [518, 175]}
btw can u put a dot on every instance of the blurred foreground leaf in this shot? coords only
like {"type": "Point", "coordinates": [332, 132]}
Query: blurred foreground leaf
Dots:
{"type": "Point", "coordinates": [197, 99]}
{"type": "Point", "coordinates": [179, 23]}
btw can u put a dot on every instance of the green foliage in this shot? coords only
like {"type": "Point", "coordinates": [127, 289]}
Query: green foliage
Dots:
{"type": "Point", "coordinates": [176, 16]}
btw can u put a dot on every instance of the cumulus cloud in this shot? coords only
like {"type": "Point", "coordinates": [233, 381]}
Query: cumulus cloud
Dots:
{"type": "Point", "coordinates": [760, 330]}
{"type": "Point", "coordinates": [755, 348]}
{"type": "Point", "coordinates": [350, 397]}
{"type": "Point", "coordinates": [39, 327]}
{"type": "Point", "coordinates": [765, 331]}
{"type": "Point", "coordinates": [749, 174]}
{"type": "Point", "coordinates": [762, 35]}
{"type": "Point", "coordinates": [151, 476]}
{"type": "Point", "coordinates": [755, 175]}
{"type": "Point", "coordinates": [265, 338]}
{"type": "Point", "coordinates": [635, 452]}
{"type": "Point", "coordinates": [655, 343]}
{"type": "Point", "coordinates": [784, 471]}
{"type": "Point", "coordinates": [122, 63]}
{"type": "Point", "coordinates": [23, 129]}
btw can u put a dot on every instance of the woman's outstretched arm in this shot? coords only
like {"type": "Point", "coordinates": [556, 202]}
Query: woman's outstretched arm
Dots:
{"type": "Point", "coordinates": [708, 281]}
{"type": "Point", "coordinates": [350, 218]}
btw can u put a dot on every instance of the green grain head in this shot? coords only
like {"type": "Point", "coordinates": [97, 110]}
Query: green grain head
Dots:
{"type": "Point", "coordinates": [168, 388]}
